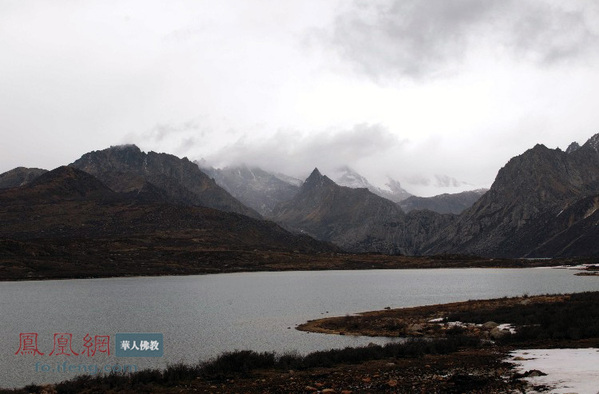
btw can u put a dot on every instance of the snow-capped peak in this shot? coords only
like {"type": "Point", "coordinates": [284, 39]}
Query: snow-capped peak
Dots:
{"type": "Point", "coordinates": [345, 176]}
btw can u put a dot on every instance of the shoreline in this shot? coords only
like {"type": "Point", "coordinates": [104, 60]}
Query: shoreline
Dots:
{"type": "Point", "coordinates": [202, 262]}
{"type": "Point", "coordinates": [158, 275]}
{"type": "Point", "coordinates": [430, 321]}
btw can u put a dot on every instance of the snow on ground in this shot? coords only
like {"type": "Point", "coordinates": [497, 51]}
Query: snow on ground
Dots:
{"type": "Point", "coordinates": [507, 327]}
{"type": "Point", "coordinates": [575, 267]}
{"type": "Point", "coordinates": [568, 370]}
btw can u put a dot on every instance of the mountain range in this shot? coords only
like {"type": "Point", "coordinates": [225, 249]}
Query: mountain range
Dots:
{"type": "Point", "coordinates": [263, 191]}
{"type": "Point", "coordinates": [543, 203]}
{"type": "Point", "coordinates": [539, 200]}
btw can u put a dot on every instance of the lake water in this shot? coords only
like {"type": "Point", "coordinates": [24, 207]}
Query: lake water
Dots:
{"type": "Point", "coordinates": [202, 316]}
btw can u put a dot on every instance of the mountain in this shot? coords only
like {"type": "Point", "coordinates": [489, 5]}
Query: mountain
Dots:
{"type": "Point", "coordinates": [61, 184]}
{"type": "Point", "coordinates": [543, 203]}
{"type": "Point", "coordinates": [454, 203]}
{"type": "Point", "coordinates": [355, 219]}
{"type": "Point", "coordinates": [574, 231]}
{"type": "Point", "coordinates": [573, 147]}
{"type": "Point", "coordinates": [345, 176]}
{"type": "Point", "coordinates": [70, 203]}
{"type": "Point", "coordinates": [396, 193]}
{"type": "Point", "coordinates": [19, 176]}
{"type": "Point", "coordinates": [254, 187]}
{"type": "Point", "coordinates": [521, 215]}
{"type": "Point", "coordinates": [127, 169]}
{"type": "Point", "coordinates": [67, 223]}
{"type": "Point", "coordinates": [262, 190]}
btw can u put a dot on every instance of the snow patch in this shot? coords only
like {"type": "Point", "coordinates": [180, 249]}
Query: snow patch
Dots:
{"type": "Point", "coordinates": [568, 370]}
{"type": "Point", "coordinates": [507, 327]}
{"type": "Point", "coordinates": [579, 267]}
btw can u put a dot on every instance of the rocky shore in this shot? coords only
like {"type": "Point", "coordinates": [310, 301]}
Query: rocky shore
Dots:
{"type": "Point", "coordinates": [432, 321]}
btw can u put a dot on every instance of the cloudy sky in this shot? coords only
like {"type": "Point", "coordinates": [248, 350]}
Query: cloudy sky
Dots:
{"type": "Point", "coordinates": [438, 94]}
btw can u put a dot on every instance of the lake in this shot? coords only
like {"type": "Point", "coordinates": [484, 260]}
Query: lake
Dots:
{"type": "Point", "coordinates": [202, 316]}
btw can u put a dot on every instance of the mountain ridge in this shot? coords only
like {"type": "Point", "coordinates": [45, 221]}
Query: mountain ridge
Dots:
{"type": "Point", "coordinates": [68, 203]}
{"type": "Point", "coordinates": [539, 182]}
{"type": "Point", "coordinates": [256, 188]}
{"type": "Point", "coordinates": [543, 202]}
{"type": "Point", "coordinates": [126, 169]}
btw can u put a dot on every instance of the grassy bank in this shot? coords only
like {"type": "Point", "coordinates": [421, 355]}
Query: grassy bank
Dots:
{"type": "Point", "coordinates": [241, 364]}
{"type": "Point", "coordinates": [114, 257]}
{"type": "Point", "coordinates": [548, 319]}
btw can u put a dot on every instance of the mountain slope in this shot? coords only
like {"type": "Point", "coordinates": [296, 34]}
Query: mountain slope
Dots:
{"type": "Point", "coordinates": [345, 176]}
{"type": "Point", "coordinates": [19, 176]}
{"type": "Point", "coordinates": [354, 219]}
{"type": "Point", "coordinates": [67, 203]}
{"type": "Point", "coordinates": [128, 169]}
{"type": "Point", "coordinates": [254, 187]}
{"type": "Point", "coordinates": [573, 232]}
{"type": "Point", "coordinates": [62, 184]}
{"type": "Point", "coordinates": [531, 188]}
{"type": "Point", "coordinates": [454, 203]}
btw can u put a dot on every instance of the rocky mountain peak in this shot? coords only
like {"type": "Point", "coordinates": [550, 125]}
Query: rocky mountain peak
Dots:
{"type": "Point", "coordinates": [126, 168]}
{"type": "Point", "coordinates": [348, 177]}
{"type": "Point", "coordinates": [131, 148]}
{"type": "Point", "coordinates": [315, 174]}
{"type": "Point", "coordinates": [527, 196]}
{"type": "Point", "coordinates": [316, 179]}
{"type": "Point", "coordinates": [120, 158]}
{"type": "Point", "coordinates": [355, 219]}
{"type": "Point", "coordinates": [574, 146]}
{"type": "Point", "coordinates": [593, 143]}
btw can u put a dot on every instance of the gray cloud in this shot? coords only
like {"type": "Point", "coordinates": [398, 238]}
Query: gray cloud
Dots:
{"type": "Point", "coordinates": [419, 180]}
{"type": "Point", "coordinates": [428, 38]}
{"type": "Point", "coordinates": [297, 154]}
{"type": "Point", "coordinates": [447, 181]}
{"type": "Point", "coordinates": [179, 138]}
{"type": "Point", "coordinates": [164, 130]}
{"type": "Point", "coordinates": [549, 34]}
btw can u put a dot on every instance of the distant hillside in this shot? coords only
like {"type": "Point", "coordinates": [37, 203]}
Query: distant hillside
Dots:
{"type": "Point", "coordinates": [19, 176]}
{"type": "Point", "coordinates": [345, 176]}
{"type": "Point", "coordinates": [256, 188]}
{"type": "Point", "coordinates": [444, 203]}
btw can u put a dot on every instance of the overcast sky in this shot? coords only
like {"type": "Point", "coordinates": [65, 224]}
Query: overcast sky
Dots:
{"type": "Point", "coordinates": [438, 94]}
